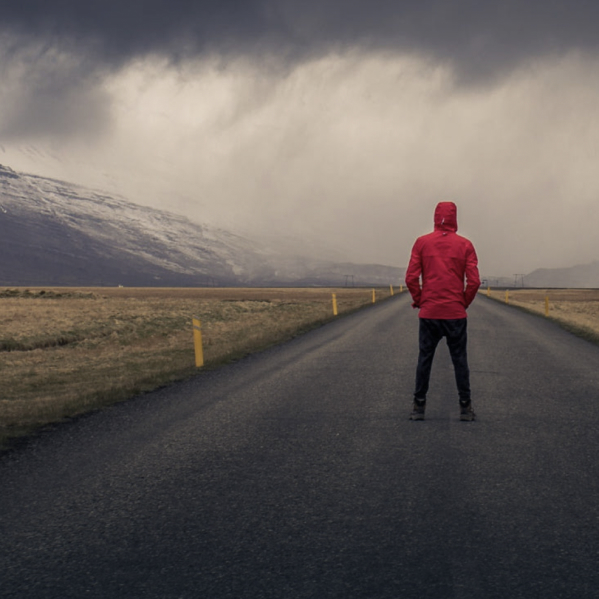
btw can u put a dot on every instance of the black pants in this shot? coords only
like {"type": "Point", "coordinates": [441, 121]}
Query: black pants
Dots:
{"type": "Point", "coordinates": [432, 330]}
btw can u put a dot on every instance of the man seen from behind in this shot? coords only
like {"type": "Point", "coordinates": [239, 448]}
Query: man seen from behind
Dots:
{"type": "Point", "coordinates": [443, 279]}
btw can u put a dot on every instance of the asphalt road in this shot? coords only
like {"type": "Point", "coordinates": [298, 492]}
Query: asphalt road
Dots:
{"type": "Point", "coordinates": [296, 473]}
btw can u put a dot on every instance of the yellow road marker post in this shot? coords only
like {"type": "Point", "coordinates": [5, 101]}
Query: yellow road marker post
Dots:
{"type": "Point", "coordinates": [334, 304]}
{"type": "Point", "coordinates": [401, 289]}
{"type": "Point", "coordinates": [391, 289]}
{"type": "Point", "coordinates": [373, 296]}
{"type": "Point", "coordinates": [197, 342]}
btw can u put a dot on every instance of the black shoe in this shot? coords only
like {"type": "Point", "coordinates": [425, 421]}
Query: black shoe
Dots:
{"type": "Point", "coordinates": [417, 411]}
{"type": "Point", "coordinates": [467, 413]}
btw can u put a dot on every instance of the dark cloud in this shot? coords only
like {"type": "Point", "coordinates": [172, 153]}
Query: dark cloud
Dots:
{"type": "Point", "coordinates": [54, 55]}
{"type": "Point", "coordinates": [481, 38]}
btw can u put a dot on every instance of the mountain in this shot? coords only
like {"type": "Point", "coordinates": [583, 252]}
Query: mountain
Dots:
{"type": "Point", "coordinates": [579, 276]}
{"type": "Point", "coordinates": [58, 233]}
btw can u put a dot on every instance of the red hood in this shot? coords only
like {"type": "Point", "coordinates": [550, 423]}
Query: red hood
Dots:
{"type": "Point", "coordinates": [446, 217]}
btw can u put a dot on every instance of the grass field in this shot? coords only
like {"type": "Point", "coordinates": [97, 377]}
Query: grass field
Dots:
{"type": "Point", "coordinates": [64, 352]}
{"type": "Point", "coordinates": [576, 310]}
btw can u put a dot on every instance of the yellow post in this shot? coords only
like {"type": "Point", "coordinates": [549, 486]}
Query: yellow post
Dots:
{"type": "Point", "coordinates": [507, 296]}
{"type": "Point", "coordinates": [334, 304]}
{"type": "Point", "coordinates": [488, 292]}
{"type": "Point", "coordinates": [391, 289]}
{"type": "Point", "coordinates": [401, 289]}
{"type": "Point", "coordinates": [546, 305]}
{"type": "Point", "coordinates": [373, 296]}
{"type": "Point", "coordinates": [197, 342]}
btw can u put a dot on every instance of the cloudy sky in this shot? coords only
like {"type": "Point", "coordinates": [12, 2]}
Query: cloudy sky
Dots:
{"type": "Point", "coordinates": [338, 121]}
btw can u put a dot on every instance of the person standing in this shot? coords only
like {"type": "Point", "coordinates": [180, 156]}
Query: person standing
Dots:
{"type": "Point", "coordinates": [443, 279]}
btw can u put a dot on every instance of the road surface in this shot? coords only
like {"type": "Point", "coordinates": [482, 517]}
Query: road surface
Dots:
{"type": "Point", "coordinates": [296, 473]}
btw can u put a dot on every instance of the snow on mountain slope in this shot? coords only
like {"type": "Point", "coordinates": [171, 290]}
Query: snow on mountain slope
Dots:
{"type": "Point", "coordinates": [166, 242]}
{"type": "Point", "coordinates": [54, 232]}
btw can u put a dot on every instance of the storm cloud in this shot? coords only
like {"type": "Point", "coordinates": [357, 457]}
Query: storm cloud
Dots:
{"type": "Point", "coordinates": [62, 50]}
{"type": "Point", "coordinates": [479, 38]}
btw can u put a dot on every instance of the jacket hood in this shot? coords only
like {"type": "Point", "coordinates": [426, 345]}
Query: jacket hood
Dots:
{"type": "Point", "coordinates": [446, 217]}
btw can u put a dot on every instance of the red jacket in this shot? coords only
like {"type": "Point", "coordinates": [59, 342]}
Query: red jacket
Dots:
{"type": "Point", "coordinates": [447, 263]}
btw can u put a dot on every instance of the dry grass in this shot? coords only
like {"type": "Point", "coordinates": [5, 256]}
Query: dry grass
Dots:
{"type": "Point", "coordinates": [64, 352]}
{"type": "Point", "coordinates": [577, 310]}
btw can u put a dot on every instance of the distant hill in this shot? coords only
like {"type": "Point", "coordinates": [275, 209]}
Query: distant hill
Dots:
{"type": "Point", "coordinates": [57, 233]}
{"type": "Point", "coordinates": [580, 276]}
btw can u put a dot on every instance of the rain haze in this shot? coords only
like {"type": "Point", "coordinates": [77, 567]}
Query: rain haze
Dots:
{"type": "Point", "coordinates": [339, 122]}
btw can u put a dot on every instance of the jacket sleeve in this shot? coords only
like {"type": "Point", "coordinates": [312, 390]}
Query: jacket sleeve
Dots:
{"type": "Point", "coordinates": [472, 276]}
{"type": "Point", "coordinates": [413, 275]}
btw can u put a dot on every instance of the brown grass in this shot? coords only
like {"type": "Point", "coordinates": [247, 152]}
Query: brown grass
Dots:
{"type": "Point", "coordinates": [576, 310]}
{"type": "Point", "coordinates": [64, 352]}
